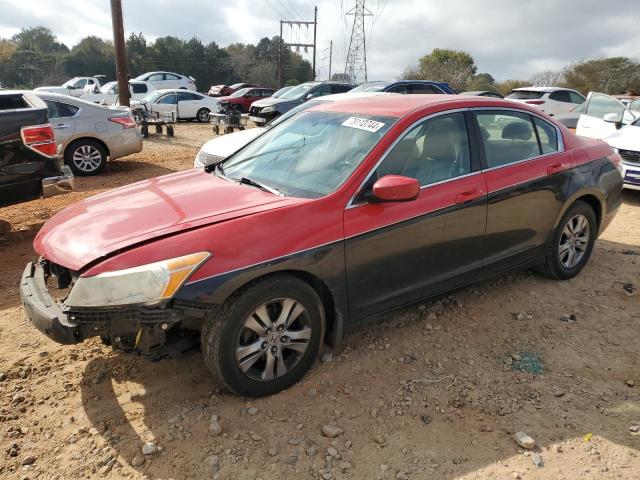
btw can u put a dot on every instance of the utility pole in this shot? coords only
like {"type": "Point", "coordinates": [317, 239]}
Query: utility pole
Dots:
{"type": "Point", "coordinates": [356, 65]}
{"type": "Point", "coordinates": [280, 41]}
{"type": "Point", "coordinates": [299, 24]}
{"type": "Point", "coordinates": [315, 27]}
{"type": "Point", "coordinates": [330, 53]}
{"type": "Point", "coordinates": [121, 52]}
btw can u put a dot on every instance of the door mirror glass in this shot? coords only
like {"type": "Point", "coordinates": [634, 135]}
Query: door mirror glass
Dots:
{"type": "Point", "coordinates": [612, 118]}
{"type": "Point", "coordinates": [395, 188]}
{"type": "Point", "coordinates": [310, 96]}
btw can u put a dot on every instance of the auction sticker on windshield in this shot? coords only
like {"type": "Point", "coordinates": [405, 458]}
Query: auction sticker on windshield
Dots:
{"type": "Point", "coordinates": [363, 124]}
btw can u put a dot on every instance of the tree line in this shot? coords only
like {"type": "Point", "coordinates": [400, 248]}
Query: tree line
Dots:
{"type": "Point", "coordinates": [614, 75]}
{"type": "Point", "coordinates": [35, 57]}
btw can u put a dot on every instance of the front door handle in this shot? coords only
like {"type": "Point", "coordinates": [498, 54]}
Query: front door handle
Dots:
{"type": "Point", "coordinates": [554, 168]}
{"type": "Point", "coordinates": [61, 126]}
{"type": "Point", "coordinates": [468, 196]}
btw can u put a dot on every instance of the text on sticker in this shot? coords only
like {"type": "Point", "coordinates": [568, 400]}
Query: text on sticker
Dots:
{"type": "Point", "coordinates": [363, 124]}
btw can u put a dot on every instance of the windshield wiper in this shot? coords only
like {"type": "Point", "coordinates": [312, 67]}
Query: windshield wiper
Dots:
{"type": "Point", "coordinates": [253, 183]}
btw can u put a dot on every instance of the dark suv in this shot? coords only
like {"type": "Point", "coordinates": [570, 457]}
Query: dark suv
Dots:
{"type": "Point", "coordinates": [266, 110]}
{"type": "Point", "coordinates": [407, 87]}
{"type": "Point", "coordinates": [30, 166]}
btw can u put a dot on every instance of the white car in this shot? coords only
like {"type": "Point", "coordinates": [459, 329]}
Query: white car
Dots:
{"type": "Point", "coordinates": [219, 148]}
{"type": "Point", "coordinates": [185, 105]}
{"type": "Point", "coordinates": [108, 94]}
{"type": "Point", "coordinates": [75, 87]}
{"type": "Point", "coordinates": [163, 80]}
{"type": "Point", "coordinates": [551, 100]}
{"type": "Point", "coordinates": [608, 119]}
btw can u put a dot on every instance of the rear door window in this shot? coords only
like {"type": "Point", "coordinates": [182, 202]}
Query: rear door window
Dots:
{"type": "Point", "coordinates": [138, 88]}
{"type": "Point", "coordinates": [548, 135]}
{"type": "Point", "coordinates": [340, 88]}
{"type": "Point", "coordinates": [507, 137]}
{"type": "Point", "coordinates": [60, 110]}
{"type": "Point", "coordinates": [576, 98]}
{"type": "Point", "coordinates": [169, 99]}
{"type": "Point", "coordinates": [560, 96]}
{"type": "Point", "coordinates": [401, 88]}
{"type": "Point", "coordinates": [424, 88]}
{"type": "Point", "coordinates": [12, 102]}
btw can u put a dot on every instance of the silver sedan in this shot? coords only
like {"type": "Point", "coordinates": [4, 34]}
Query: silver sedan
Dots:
{"type": "Point", "coordinates": [90, 134]}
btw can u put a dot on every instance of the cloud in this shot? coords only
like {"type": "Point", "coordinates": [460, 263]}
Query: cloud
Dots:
{"type": "Point", "coordinates": [507, 38]}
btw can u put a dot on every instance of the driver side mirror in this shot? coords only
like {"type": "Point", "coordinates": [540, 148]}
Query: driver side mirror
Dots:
{"type": "Point", "coordinates": [615, 118]}
{"type": "Point", "coordinates": [310, 96]}
{"type": "Point", "coordinates": [394, 188]}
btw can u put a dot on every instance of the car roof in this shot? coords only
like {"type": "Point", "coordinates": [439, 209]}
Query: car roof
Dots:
{"type": "Point", "coordinates": [176, 90]}
{"type": "Point", "coordinates": [401, 105]}
{"type": "Point", "coordinates": [543, 89]}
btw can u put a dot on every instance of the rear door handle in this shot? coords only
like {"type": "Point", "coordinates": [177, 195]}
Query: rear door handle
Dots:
{"type": "Point", "coordinates": [468, 196]}
{"type": "Point", "coordinates": [554, 168]}
{"type": "Point", "coordinates": [60, 126]}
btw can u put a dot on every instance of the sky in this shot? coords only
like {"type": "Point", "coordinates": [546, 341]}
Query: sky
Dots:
{"type": "Point", "coordinates": [507, 38]}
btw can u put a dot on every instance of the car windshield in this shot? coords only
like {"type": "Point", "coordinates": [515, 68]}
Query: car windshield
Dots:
{"type": "Point", "coordinates": [150, 98]}
{"type": "Point", "coordinates": [372, 87]}
{"type": "Point", "coordinates": [70, 83]}
{"type": "Point", "coordinates": [525, 95]}
{"type": "Point", "coordinates": [240, 92]}
{"type": "Point", "coordinates": [107, 86]}
{"type": "Point", "coordinates": [300, 108]}
{"type": "Point", "coordinates": [309, 155]}
{"type": "Point", "coordinates": [297, 92]}
{"type": "Point", "coordinates": [281, 91]}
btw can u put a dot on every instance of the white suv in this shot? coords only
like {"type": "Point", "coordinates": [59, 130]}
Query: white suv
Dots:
{"type": "Point", "coordinates": [551, 100]}
{"type": "Point", "coordinates": [164, 80]}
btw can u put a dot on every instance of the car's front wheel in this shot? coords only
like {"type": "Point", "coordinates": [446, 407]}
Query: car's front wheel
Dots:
{"type": "Point", "coordinates": [572, 242]}
{"type": "Point", "coordinates": [203, 115]}
{"type": "Point", "coordinates": [265, 338]}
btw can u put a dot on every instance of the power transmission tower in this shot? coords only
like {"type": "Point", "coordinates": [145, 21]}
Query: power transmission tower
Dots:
{"type": "Point", "coordinates": [282, 43]}
{"type": "Point", "coordinates": [356, 66]}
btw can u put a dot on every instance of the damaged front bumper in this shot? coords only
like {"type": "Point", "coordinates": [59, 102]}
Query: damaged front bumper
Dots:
{"type": "Point", "coordinates": [139, 329]}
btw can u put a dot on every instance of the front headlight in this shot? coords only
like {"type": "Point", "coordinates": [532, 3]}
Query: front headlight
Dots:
{"type": "Point", "coordinates": [268, 110]}
{"type": "Point", "coordinates": [203, 159]}
{"type": "Point", "coordinates": [145, 284]}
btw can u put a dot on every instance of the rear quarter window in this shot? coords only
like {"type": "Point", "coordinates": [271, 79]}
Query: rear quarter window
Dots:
{"type": "Point", "coordinates": [525, 95]}
{"type": "Point", "coordinates": [12, 102]}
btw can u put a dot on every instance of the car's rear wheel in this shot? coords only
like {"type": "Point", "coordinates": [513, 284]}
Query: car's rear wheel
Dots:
{"type": "Point", "coordinates": [203, 115]}
{"type": "Point", "coordinates": [86, 157]}
{"type": "Point", "coordinates": [265, 338]}
{"type": "Point", "coordinates": [572, 243]}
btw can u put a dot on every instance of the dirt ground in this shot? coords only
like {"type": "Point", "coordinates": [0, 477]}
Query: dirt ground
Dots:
{"type": "Point", "coordinates": [435, 391]}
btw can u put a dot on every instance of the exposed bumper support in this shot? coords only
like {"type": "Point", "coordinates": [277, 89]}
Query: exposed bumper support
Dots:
{"type": "Point", "coordinates": [63, 183]}
{"type": "Point", "coordinates": [45, 314]}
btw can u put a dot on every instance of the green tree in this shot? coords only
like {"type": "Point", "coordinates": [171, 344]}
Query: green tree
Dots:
{"type": "Point", "coordinates": [92, 56]}
{"type": "Point", "coordinates": [482, 81]}
{"type": "Point", "coordinates": [505, 87]}
{"type": "Point", "coordinates": [607, 75]}
{"type": "Point", "coordinates": [444, 65]}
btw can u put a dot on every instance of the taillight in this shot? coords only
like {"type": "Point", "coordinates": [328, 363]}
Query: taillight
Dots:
{"type": "Point", "coordinates": [535, 102]}
{"type": "Point", "coordinates": [126, 122]}
{"type": "Point", "coordinates": [40, 139]}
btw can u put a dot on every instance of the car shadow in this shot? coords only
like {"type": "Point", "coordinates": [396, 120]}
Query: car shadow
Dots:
{"type": "Point", "coordinates": [433, 391]}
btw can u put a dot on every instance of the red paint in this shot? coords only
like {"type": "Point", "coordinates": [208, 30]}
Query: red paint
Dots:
{"type": "Point", "coordinates": [243, 226]}
{"type": "Point", "coordinates": [396, 188]}
{"type": "Point", "coordinates": [245, 101]}
{"type": "Point", "coordinates": [126, 122]}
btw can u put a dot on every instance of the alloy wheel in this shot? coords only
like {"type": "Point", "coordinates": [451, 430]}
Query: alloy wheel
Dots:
{"type": "Point", "coordinates": [87, 158]}
{"type": "Point", "coordinates": [574, 241]}
{"type": "Point", "coordinates": [273, 339]}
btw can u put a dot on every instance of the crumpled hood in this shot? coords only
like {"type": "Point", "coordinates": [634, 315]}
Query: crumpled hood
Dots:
{"type": "Point", "coordinates": [100, 225]}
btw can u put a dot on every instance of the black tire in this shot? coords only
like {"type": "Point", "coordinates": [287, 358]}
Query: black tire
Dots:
{"type": "Point", "coordinates": [144, 131]}
{"type": "Point", "coordinates": [202, 115]}
{"type": "Point", "coordinates": [553, 267]}
{"type": "Point", "coordinates": [170, 131]}
{"type": "Point", "coordinates": [216, 129]}
{"type": "Point", "coordinates": [95, 153]}
{"type": "Point", "coordinates": [159, 129]}
{"type": "Point", "coordinates": [222, 331]}
{"type": "Point", "coordinates": [228, 130]}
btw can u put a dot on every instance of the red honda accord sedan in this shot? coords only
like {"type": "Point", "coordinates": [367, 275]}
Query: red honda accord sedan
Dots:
{"type": "Point", "coordinates": [343, 211]}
